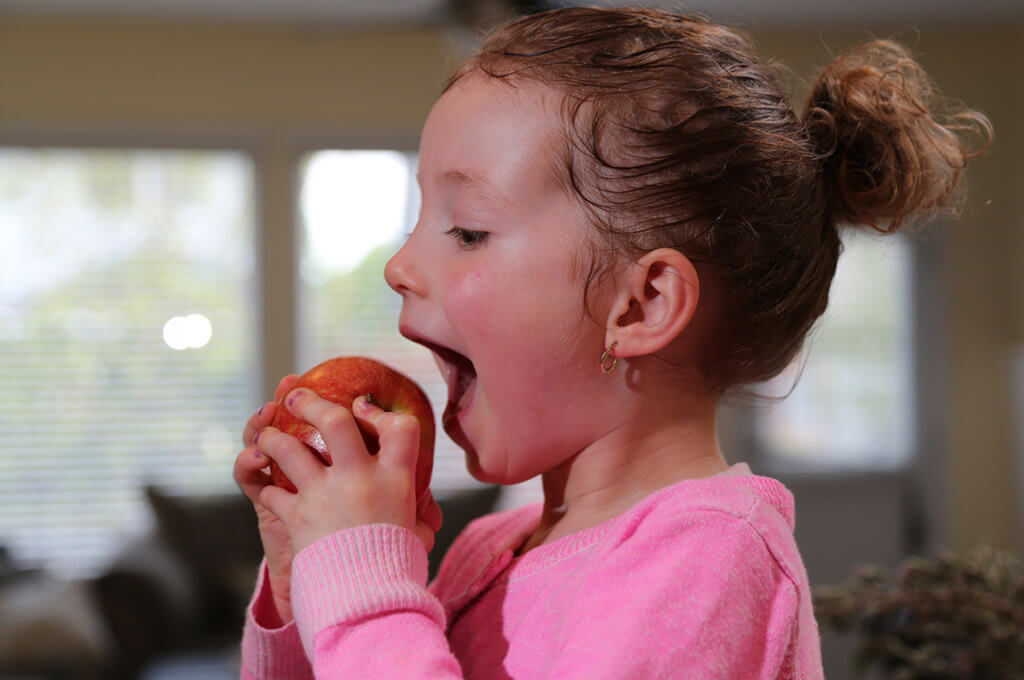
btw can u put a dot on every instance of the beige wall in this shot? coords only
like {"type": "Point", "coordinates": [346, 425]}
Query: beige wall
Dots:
{"type": "Point", "coordinates": [274, 87]}
{"type": "Point", "coordinates": [984, 250]}
{"type": "Point", "coordinates": [249, 77]}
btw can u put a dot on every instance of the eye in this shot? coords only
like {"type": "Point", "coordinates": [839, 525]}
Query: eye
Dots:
{"type": "Point", "coordinates": [467, 237]}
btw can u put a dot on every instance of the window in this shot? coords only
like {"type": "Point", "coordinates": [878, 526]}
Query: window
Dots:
{"type": "Point", "coordinates": [853, 402]}
{"type": "Point", "coordinates": [127, 339]}
{"type": "Point", "coordinates": [357, 208]}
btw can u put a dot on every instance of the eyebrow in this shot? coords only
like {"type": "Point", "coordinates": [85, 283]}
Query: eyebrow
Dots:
{"type": "Point", "coordinates": [475, 183]}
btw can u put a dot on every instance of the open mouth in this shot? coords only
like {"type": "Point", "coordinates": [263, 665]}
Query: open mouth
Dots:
{"type": "Point", "coordinates": [459, 374]}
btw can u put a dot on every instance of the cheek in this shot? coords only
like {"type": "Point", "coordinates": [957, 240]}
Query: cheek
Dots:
{"type": "Point", "coordinates": [524, 337]}
{"type": "Point", "coordinates": [489, 308]}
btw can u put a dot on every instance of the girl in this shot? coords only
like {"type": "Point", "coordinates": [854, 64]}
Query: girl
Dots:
{"type": "Point", "coordinates": [622, 220]}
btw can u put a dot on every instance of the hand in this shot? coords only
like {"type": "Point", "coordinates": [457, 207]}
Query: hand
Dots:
{"type": "Point", "coordinates": [357, 488]}
{"type": "Point", "coordinates": [252, 478]}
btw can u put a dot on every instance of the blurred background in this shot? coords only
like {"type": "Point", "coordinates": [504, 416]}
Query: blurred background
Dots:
{"type": "Point", "coordinates": [198, 197]}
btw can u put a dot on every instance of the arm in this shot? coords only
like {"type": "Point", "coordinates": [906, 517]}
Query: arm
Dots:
{"type": "Point", "coordinates": [270, 642]}
{"type": "Point", "coordinates": [360, 537]}
{"type": "Point", "coordinates": [363, 610]}
{"type": "Point", "coordinates": [270, 650]}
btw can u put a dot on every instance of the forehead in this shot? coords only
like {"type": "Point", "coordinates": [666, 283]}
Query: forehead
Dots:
{"type": "Point", "coordinates": [488, 134]}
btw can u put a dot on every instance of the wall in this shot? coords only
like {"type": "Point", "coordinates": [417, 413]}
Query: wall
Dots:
{"type": "Point", "coordinates": [218, 76]}
{"type": "Point", "coordinates": [982, 252]}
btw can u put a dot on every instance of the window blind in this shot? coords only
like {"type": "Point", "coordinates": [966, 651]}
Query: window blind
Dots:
{"type": "Point", "coordinates": [127, 333]}
{"type": "Point", "coordinates": [853, 404]}
{"type": "Point", "coordinates": [357, 208]}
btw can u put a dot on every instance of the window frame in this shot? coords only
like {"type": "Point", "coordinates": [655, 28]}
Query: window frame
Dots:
{"type": "Point", "coordinates": [922, 481]}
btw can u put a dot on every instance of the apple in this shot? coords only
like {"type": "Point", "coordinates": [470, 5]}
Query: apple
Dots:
{"type": "Point", "coordinates": [341, 380]}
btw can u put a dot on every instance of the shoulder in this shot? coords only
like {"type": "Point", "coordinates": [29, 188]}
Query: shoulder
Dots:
{"type": "Point", "coordinates": [722, 520]}
{"type": "Point", "coordinates": [712, 566]}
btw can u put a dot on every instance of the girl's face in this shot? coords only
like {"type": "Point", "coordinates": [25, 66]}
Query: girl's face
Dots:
{"type": "Point", "coordinates": [491, 282]}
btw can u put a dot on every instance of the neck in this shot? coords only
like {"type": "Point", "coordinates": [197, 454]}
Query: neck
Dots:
{"type": "Point", "coordinates": [647, 451]}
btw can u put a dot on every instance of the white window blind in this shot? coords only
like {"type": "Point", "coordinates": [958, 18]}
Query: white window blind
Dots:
{"type": "Point", "coordinates": [357, 209]}
{"type": "Point", "coordinates": [853, 405]}
{"type": "Point", "coordinates": [127, 329]}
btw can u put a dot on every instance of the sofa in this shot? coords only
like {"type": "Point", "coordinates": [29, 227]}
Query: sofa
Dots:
{"type": "Point", "coordinates": [170, 605]}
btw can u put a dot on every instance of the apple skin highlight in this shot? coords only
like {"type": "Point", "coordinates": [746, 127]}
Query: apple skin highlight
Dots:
{"type": "Point", "coordinates": [341, 380]}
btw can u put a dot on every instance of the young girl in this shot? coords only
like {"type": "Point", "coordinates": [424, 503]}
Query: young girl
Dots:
{"type": "Point", "coordinates": [623, 219]}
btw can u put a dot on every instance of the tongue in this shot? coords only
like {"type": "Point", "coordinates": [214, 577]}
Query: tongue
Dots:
{"type": "Point", "coordinates": [464, 377]}
{"type": "Point", "coordinates": [459, 374]}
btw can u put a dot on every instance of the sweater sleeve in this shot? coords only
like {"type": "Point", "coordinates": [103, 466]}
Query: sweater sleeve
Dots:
{"type": "Point", "coordinates": [698, 595]}
{"type": "Point", "coordinates": [363, 609]}
{"type": "Point", "coordinates": [270, 653]}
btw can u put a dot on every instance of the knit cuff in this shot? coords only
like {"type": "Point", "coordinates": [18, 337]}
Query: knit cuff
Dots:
{"type": "Point", "coordinates": [271, 653]}
{"type": "Point", "coordinates": [358, 572]}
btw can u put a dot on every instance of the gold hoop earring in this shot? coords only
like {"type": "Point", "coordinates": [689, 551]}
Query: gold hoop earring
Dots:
{"type": "Point", "coordinates": [607, 368]}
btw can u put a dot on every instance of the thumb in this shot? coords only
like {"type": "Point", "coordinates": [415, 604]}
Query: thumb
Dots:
{"type": "Point", "coordinates": [429, 512]}
{"type": "Point", "coordinates": [425, 534]}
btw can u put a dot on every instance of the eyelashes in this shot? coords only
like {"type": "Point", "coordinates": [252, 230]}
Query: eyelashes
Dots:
{"type": "Point", "coordinates": [467, 238]}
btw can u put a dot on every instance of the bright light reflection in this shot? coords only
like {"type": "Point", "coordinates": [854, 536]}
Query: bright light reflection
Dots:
{"type": "Point", "coordinates": [188, 332]}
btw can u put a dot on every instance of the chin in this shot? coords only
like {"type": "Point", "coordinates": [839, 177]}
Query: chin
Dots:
{"type": "Point", "coordinates": [480, 474]}
{"type": "Point", "coordinates": [476, 471]}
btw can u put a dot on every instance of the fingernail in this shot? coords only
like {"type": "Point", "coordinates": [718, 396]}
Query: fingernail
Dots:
{"type": "Point", "coordinates": [260, 412]}
{"type": "Point", "coordinates": [257, 437]}
{"type": "Point", "coordinates": [366, 402]}
{"type": "Point", "coordinates": [257, 454]}
{"type": "Point", "coordinates": [295, 396]}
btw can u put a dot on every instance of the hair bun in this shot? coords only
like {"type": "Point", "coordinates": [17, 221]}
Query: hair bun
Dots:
{"type": "Point", "coordinates": [889, 146]}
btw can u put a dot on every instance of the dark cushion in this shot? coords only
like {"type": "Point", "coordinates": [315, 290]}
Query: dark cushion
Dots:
{"type": "Point", "coordinates": [459, 509]}
{"type": "Point", "coordinates": [217, 539]}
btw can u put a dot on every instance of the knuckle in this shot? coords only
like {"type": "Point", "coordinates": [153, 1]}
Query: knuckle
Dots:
{"type": "Point", "coordinates": [262, 494]}
{"type": "Point", "coordinates": [267, 437]}
{"type": "Point", "coordinates": [403, 423]}
{"type": "Point", "coordinates": [276, 442]}
{"type": "Point", "coordinates": [242, 459]}
{"type": "Point", "coordinates": [336, 418]}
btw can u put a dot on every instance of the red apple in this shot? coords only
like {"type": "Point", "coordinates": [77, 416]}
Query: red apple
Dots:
{"type": "Point", "coordinates": [341, 380]}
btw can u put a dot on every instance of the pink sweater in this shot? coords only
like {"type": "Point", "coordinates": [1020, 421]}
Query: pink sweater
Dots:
{"type": "Point", "coordinates": [701, 579]}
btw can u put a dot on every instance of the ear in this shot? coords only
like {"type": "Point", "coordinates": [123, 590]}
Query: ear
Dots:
{"type": "Point", "coordinates": [654, 302]}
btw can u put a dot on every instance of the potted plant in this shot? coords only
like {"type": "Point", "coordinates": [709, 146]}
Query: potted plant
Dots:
{"type": "Point", "coordinates": [946, 618]}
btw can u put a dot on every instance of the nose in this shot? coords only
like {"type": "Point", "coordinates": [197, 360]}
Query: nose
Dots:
{"type": "Point", "coordinates": [402, 273]}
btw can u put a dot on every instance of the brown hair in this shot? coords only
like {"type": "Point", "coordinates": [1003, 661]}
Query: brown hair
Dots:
{"type": "Point", "coordinates": [677, 136]}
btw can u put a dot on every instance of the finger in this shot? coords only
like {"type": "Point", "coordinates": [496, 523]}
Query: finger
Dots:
{"type": "Point", "coordinates": [285, 386]}
{"type": "Point", "coordinates": [257, 422]}
{"type": "Point", "coordinates": [296, 460]}
{"type": "Point", "coordinates": [398, 433]}
{"type": "Point", "coordinates": [335, 424]}
{"type": "Point", "coordinates": [249, 474]}
{"type": "Point", "coordinates": [280, 502]}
